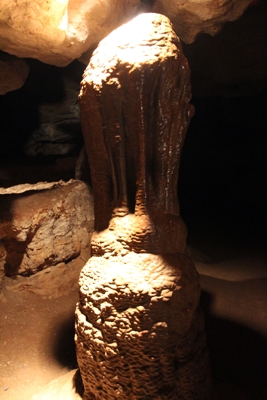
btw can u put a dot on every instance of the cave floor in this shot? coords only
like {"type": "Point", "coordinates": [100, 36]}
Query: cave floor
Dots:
{"type": "Point", "coordinates": [37, 353]}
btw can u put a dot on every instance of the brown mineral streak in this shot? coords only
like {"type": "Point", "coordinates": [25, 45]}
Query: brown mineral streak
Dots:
{"type": "Point", "coordinates": [139, 330]}
{"type": "Point", "coordinates": [138, 108]}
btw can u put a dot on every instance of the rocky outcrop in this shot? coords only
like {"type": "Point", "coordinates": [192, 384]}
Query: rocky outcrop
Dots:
{"type": "Point", "coordinates": [139, 331]}
{"type": "Point", "coordinates": [191, 17]}
{"type": "Point", "coordinates": [53, 282]}
{"type": "Point", "coordinates": [59, 31]}
{"type": "Point", "coordinates": [43, 225]}
{"type": "Point", "coordinates": [13, 73]}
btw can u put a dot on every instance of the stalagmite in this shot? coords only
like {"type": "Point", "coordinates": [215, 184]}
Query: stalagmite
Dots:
{"type": "Point", "coordinates": [139, 329]}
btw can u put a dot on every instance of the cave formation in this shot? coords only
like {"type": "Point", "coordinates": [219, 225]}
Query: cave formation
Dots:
{"type": "Point", "coordinates": [222, 195]}
{"type": "Point", "coordinates": [139, 329]}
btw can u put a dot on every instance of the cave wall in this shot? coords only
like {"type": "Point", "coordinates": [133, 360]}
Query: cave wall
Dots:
{"type": "Point", "coordinates": [59, 31]}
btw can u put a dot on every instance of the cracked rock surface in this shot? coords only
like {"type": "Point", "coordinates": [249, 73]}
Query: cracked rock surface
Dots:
{"type": "Point", "coordinates": [43, 225]}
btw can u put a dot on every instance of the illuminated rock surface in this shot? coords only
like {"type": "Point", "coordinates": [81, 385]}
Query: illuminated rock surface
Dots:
{"type": "Point", "coordinates": [137, 92]}
{"type": "Point", "coordinates": [59, 31]}
{"type": "Point", "coordinates": [200, 16]}
{"type": "Point", "coordinates": [139, 331]}
{"type": "Point", "coordinates": [43, 225]}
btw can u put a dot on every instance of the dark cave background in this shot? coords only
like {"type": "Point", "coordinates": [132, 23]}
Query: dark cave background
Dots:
{"type": "Point", "coordinates": [223, 172]}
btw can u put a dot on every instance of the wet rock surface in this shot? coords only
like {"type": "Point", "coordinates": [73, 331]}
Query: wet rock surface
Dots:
{"type": "Point", "coordinates": [135, 109]}
{"type": "Point", "coordinates": [139, 331]}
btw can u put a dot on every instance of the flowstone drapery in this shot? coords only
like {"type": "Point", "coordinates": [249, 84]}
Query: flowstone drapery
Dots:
{"type": "Point", "coordinates": [139, 330]}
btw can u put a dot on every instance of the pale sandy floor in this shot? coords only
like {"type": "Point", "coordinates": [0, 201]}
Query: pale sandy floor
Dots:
{"type": "Point", "coordinates": [37, 331]}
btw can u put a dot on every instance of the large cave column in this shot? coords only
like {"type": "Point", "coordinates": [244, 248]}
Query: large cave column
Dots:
{"type": "Point", "coordinates": [139, 330]}
{"type": "Point", "coordinates": [135, 111]}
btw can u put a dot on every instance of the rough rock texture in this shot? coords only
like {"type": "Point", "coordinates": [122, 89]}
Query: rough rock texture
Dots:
{"type": "Point", "coordinates": [29, 26]}
{"type": "Point", "coordinates": [43, 225]}
{"type": "Point", "coordinates": [59, 31]}
{"type": "Point", "coordinates": [2, 260]}
{"type": "Point", "coordinates": [200, 16]}
{"type": "Point", "coordinates": [13, 73]}
{"type": "Point", "coordinates": [139, 332]}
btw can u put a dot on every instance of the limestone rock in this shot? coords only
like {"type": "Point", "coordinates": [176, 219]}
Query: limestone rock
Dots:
{"type": "Point", "coordinates": [59, 31]}
{"type": "Point", "coordinates": [2, 260]}
{"type": "Point", "coordinates": [32, 24]}
{"type": "Point", "coordinates": [32, 28]}
{"type": "Point", "coordinates": [149, 71]}
{"type": "Point", "coordinates": [43, 227]}
{"type": "Point", "coordinates": [13, 73]}
{"type": "Point", "coordinates": [192, 17]}
{"type": "Point", "coordinates": [139, 333]}
{"type": "Point", "coordinates": [51, 282]}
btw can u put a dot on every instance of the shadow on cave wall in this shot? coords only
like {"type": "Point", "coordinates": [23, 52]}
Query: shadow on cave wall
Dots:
{"type": "Point", "coordinates": [223, 172]}
{"type": "Point", "coordinates": [39, 121]}
{"type": "Point", "coordinates": [19, 108]}
{"type": "Point", "coordinates": [15, 249]}
{"type": "Point", "coordinates": [238, 355]}
{"type": "Point", "coordinates": [63, 349]}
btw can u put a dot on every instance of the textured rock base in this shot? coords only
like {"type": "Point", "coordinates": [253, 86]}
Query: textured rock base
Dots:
{"type": "Point", "coordinates": [139, 332]}
{"type": "Point", "coordinates": [43, 225]}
